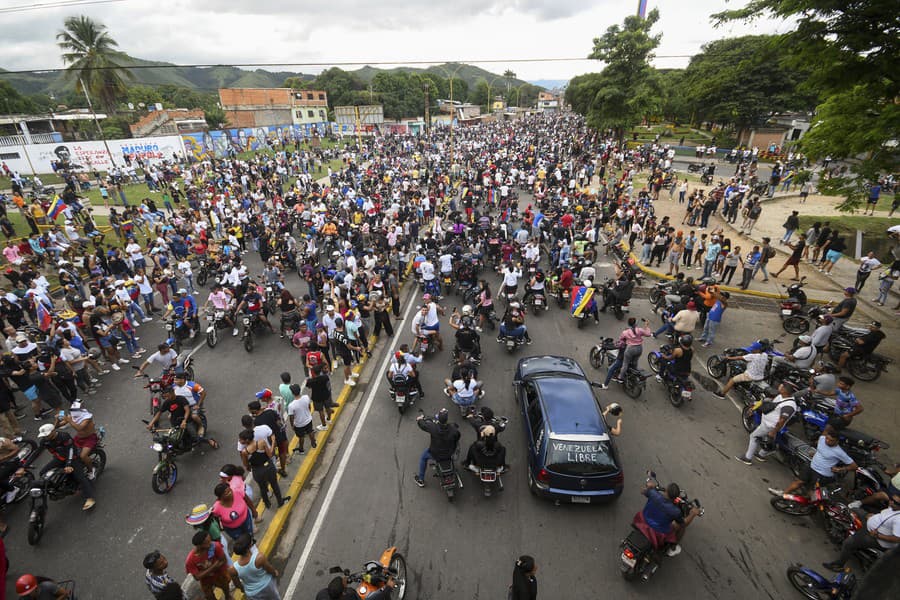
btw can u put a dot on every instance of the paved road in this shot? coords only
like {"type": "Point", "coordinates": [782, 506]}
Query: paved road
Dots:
{"type": "Point", "coordinates": [739, 549]}
{"type": "Point", "coordinates": [103, 549]}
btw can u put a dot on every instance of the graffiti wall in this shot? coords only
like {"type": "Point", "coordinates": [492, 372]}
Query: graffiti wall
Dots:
{"type": "Point", "coordinates": [229, 142]}
{"type": "Point", "coordinates": [87, 156]}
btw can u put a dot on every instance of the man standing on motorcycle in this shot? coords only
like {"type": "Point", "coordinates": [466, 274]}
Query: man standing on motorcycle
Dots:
{"type": "Point", "coordinates": [62, 448]}
{"type": "Point", "coordinates": [828, 461]}
{"type": "Point", "coordinates": [661, 514]}
{"type": "Point", "coordinates": [783, 407]}
{"type": "Point", "coordinates": [444, 441]}
{"type": "Point", "coordinates": [756, 361]}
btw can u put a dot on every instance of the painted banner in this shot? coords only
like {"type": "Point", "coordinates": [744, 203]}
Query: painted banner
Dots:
{"type": "Point", "coordinates": [87, 156]}
{"type": "Point", "coordinates": [228, 142]}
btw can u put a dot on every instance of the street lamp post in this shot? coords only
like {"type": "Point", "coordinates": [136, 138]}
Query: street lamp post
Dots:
{"type": "Point", "coordinates": [491, 100]}
{"type": "Point", "coordinates": [450, 75]}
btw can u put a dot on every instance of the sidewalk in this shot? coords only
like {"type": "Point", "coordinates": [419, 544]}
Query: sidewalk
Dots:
{"type": "Point", "coordinates": [775, 211]}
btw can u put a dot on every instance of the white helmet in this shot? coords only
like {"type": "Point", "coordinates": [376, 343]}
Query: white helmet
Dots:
{"type": "Point", "coordinates": [514, 305]}
{"type": "Point", "coordinates": [466, 310]}
{"type": "Point", "coordinates": [588, 283]}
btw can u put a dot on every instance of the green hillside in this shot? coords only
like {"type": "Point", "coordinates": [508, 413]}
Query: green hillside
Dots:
{"type": "Point", "coordinates": [468, 73]}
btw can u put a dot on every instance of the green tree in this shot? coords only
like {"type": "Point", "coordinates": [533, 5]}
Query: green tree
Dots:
{"type": "Point", "coordinates": [675, 106]}
{"type": "Point", "coordinates": [742, 82]}
{"type": "Point", "coordinates": [509, 75]}
{"type": "Point", "coordinates": [12, 102]}
{"type": "Point", "coordinates": [851, 49]}
{"type": "Point", "coordinates": [628, 88]}
{"type": "Point", "coordinates": [92, 57]}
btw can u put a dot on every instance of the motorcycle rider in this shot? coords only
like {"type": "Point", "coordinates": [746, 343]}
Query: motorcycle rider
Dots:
{"type": "Point", "coordinates": [463, 391]}
{"type": "Point", "coordinates": [631, 347]}
{"type": "Point", "coordinates": [486, 452]}
{"type": "Point", "coordinates": [184, 307]}
{"type": "Point", "coordinates": [882, 532]}
{"type": "Point", "coordinates": [427, 323]}
{"type": "Point", "coordinates": [444, 441]}
{"type": "Point", "coordinates": [511, 275]}
{"type": "Point", "coordinates": [62, 448]}
{"type": "Point", "coordinates": [399, 366]}
{"type": "Point", "coordinates": [195, 395]}
{"type": "Point", "coordinates": [536, 287]}
{"type": "Point", "coordinates": [846, 405]}
{"type": "Point", "coordinates": [467, 339]}
{"type": "Point", "coordinates": [590, 309]}
{"type": "Point", "coordinates": [756, 360]}
{"type": "Point", "coordinates": [828, 461]}
{"type": "Point", "coordinates": [664, 518]}
{"type": "Point", "coordinates": [679, 360]}
{"type": "Point", "coordinates": [822, 333]}
{"type": "Point", "coordinates": [801, 358]}
{"type": "Point", "coordinates": [85, 438]}
{"type": "Point", "coordinates": [252, 304]}
{"type": "Point", "coordinates": [513, 324]}
{"type": "Point", "coordinates": [863, 345]}
{"type": "Point", "coordinates": [179, 409]}
{"type": "Point", "coordinates": [619, 292]}
{"type": "Point", "coordinates": [780, 410]}
{"type": "Point", "coordinates": [221, 298]}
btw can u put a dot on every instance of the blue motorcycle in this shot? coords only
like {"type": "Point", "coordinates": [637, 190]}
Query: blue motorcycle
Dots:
{"type": "Point", "coordinates": [815, 586]}
{"type": "Point", "coordinates": [815, 411]}
{"type": "Point", "coordinates": [792, 450]}
{"type": "Point", "coordinates": [678, 388]}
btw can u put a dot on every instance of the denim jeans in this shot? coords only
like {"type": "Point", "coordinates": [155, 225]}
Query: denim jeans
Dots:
{"type": "Point", "coordinates": [708, 267]}
{"type": "Point", "coordinates": [629, 354]}
{"type": "Point", "coordinates": [709, 331]}
{"type": "Point", "coordinates": [134, 311]}
{"type": "Point", "coordinates": [787, 235]}
{"type": "Point", "coordinates": [423, 462]}
{"type": "Point", "coordinates": [760, 266]}
{"type": "Point", "coordinates": [667, 327]}
{"type": "Point", "coordinates": [130, 343]}
{"type": "Point", "coordinates": [516, 332]}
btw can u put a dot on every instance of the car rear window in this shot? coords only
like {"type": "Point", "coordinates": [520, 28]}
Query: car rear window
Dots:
{"type": "Point", "coordinates": [593, 457]}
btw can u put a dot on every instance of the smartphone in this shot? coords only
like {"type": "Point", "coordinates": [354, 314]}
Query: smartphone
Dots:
{"type": "Point", "coordinates": [61, 414]}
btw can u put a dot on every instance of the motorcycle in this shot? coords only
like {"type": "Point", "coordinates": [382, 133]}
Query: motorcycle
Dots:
{"type": "Point", "coordinates": [836, 517]}
{"type": "Point", "coordinates": [445, 472]}
{"type": "Point", "coordinates": [613, 299]}
{"type": "Point", "coordinates": [424, 346]}
{"type": "Point", "coordinates": [864, 368]}
{"type": "Point", "coordinates": [215, 319]}
{"type": "Point", "coordinates": [795, 301]}
{"type": "Point", "coordinates": [375, 575]}
{"type": "Point", "coordinates": [641, 550]}
{"type": "Point", "coordinates": [271, 301]}
{"type": "Point", "coordinates": [659, 292]}
{"type": "Point", "coordinates": [789, 449]}
{"type": "Point", "coordinates": [56, 484]}
{"type": "Point", "coordinates": [21, 484]}
{"type": "Point", "coordinates": [800, 321]}
{"type": "Point", "coordinates": [816, 587]}
{"type": "Point", "coordinates": [167, 443]}
{"type": "Point", "coordinates": [695, 167]}
{"type": "Point", "coordinates": [177, 331]}
{"type": "Point", "coordinates": [402, 392]}
{"type": "Point", "coordinates": [538, 302]}
{"type": "Point", "coordinates": [490, 479]}
{"type": "Point", "coordinates": [634, 379]}
{"type": "Point", "coordinates": [252, 323]}
{"type": "Point", "coordinates": [511, 343]}
{"type": "Point", "coordinates": [678, 388]}
{"type": "Point", "coordinates": [203, 271]}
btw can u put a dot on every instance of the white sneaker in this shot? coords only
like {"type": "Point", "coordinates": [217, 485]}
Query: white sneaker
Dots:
{"type": "Point", "coordinates": [659, 378]}
{"type": "Point", "coordinates": [124, 361]}
{"type": "Point", "coordinates": [136, 323]}
{"type": "Point", "coordinates": [674, 550]}
{"type": "Point", "coordinates": [854, 504]}
{"type": "Point", "coordinates": [321, 428]}
{"type": "Point", "coordinates": [234, 332]}
{"type": "Point", "coordinates": [147, 319]}
{"type": "Point", "coordinates": [354, 375]}
{"type": "Point", "coordinates": [115, 367]}
{"type": "Point", "coordinates": [349, 382]}
{"type": "Point", "coordinates": [94, 380]}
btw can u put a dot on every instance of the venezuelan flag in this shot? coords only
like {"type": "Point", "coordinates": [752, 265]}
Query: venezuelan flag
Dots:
{"type": "Point", "coordinates": [56, 207]}
{"type": "Point", "coordinates": [581, 299]}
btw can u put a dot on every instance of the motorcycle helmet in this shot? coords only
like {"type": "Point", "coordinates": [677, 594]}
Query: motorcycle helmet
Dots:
{"type": "Point", "coordinates": [615, 409]}
{"type": "Point", "coordinates": [26, 584]}
{"type": "Point", "coordinates": [686, 340]}
{"type": "Point", "coordinates": [443, 416]}
{"type": "Point", "coordinates": [588, 283]}
{"type": "Point", "coordinates": [514, 305]}
{"type": "Point", "coordinates": [466, 310]}
{"type": "Point", "coordinates": [764, 343]}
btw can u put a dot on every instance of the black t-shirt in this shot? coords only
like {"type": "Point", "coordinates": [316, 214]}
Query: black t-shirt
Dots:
{"type": "Point", "coordinates": [849, 303]}
{"type": "Point", "coordinates": [319, 388]}
{"type": "Point", "coordinates": [798, 249]}
{"type": "Point", "coordinates": [870, 341]}
{"type": "Point", "coordinates": [177, 408]}
{"type": "Point", "coordinates": [270, 418]}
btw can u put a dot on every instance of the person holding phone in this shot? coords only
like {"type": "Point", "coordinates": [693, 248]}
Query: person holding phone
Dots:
{"type": "Point", "coordinates": [631, 347]}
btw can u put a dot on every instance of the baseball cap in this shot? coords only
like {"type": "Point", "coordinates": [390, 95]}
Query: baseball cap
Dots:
{"type": "Point", "coordinates": [45, 430]}
{"type": "Point", "coordinates": [850, 290]}
{"type": "Point", "coordinates": [805, 339]}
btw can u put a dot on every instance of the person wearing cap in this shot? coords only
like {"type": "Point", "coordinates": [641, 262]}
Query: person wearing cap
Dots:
{"type": "Point", "coordinates": [134, 311]}
{"type": "Point", "coordinates": [684, 321]}
{"type": "Point", "coordinates": [822, 333]}
{"type": "Point", "coordinates": [844, 309]}
{"type": "Point", "coordinates": [783, 407]}
{"type": "Point", "coordinates": [157, 577]}
{"type": "Point", "coordinates": [202, 519]}
{"type": "Point", "coordinates": [28, 586]}
{"type": "Point", "coordinates": [863, 345]}
{"type": "Point", "coordinates": [882, 532]}
{"type": "Point", "coordinates": [64, 453]}
{"type": "Point", "coordinates": [802, 357]}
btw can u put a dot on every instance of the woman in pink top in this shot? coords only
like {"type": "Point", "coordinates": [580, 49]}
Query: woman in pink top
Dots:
{"type": "Point", "coordinates": [485, 303]}
{"type": "Point", "coordinates": [630, 349]}
{"type": "Point", "coordinates": [231, 508]}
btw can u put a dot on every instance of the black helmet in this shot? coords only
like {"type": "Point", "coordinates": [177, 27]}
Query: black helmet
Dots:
{"type": "Point", "coordinates": [765, 342]}
{"type": "Point", "coordinates": [442, 416]}
{"type": "Point", "coordinates": [686, 340]}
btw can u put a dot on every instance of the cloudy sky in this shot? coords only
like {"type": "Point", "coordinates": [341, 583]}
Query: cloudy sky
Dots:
{"type": "Point", "coordinates": [297, 31]}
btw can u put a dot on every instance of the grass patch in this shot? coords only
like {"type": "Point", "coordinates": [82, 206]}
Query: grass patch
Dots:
{"type": "Point", "coordinates": [870, 226]}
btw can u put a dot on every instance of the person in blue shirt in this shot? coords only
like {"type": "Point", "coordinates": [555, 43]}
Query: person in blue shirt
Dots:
{"type": "Point", "coordinates": [750, 262]}
{"type": "Point", "coordinates": [828, 461]}
{"type": "Point", "coordinates": [846, 405]}
{"type": "Point", "coordinates": [184, 307]}
{"type": "Point", "coordinates": [661, 514]}
{"type": "Point", "coordinates": [713, 319]}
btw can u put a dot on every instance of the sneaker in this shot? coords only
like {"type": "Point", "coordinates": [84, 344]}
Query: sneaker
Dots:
{"type": "Point", "coordinates": [776, 492]}
{"type": "Point", "coordinates": [124, 361]}
{"type": "Point", "coordinates": [284, 501]}
{"type": "Point", "coordinates": [115, 367]}
{"type": "Point", "coordinates": [603, 386]}
{"type": "Point", "coordinates": [193, 334]}
{"type": "Point", "coordinates": [761, 457]}
{"type": "Point", "coordinates": [706, 344]}
{"type": "Point", "coordinates": [854, 504]}
{"type": "Point", "coordinates": [354, 375]}
{"type": "Point", "coordinates": [619, 380]}
{"type": "Point", "coordinates": [88, 504]}
{"type": "Point", "coordinates": [744, 460]}
{"type": "Point", "coordinates": [93, 474]}
{"type": "Point", "coordinates": [659, 379]}
{"type": "Point", "coordinates": [673, 550]}
{"type": "Point", "coordinates": [834, 566]}
{"type": "Point", "coordinates": [419, 481]}
{"type": "Point", "coordinates": [104, 372]}
{"type": "Point", "coordinates": [148, 319]}
{"type": "Point", "coordinates": [300, 450]}
{"type": "Point", "coordinates": [137, 338]}
{"type": "Point", "coordinates": [528, 341]}
{"type": "Point", "coordinates": [321, 428]}
{"type": "Point", "coordinates": [349, 382]}
{"type": "Point", "coordinates": [234, 332]}
{"type": "Point", "coordinates": [94, 380]}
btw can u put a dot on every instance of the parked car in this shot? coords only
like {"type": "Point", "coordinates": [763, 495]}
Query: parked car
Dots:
{"type": "Point", "coordinates": [571, 456]}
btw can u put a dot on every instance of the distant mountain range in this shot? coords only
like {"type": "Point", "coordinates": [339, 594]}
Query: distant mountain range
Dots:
{"type": "Point", "coordinates": [550, 84]}
{"type": "Point", "coordinates": [212, 78]}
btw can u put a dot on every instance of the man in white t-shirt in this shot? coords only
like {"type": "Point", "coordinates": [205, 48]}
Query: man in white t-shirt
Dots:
{"type": "Point", "coordinates": [770, 424]}
{"type": "Point", "coordinates": [756, 360]}
{"type": "Point", "coordinates": [164, 357]}
{"type": "Point", "coordinates": [301, 418]}
{"type": "Point", "coordinates": [136, 254]}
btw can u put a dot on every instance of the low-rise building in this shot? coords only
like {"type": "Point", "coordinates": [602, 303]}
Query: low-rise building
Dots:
{"type": "Point", "coordinates": [173, 121]}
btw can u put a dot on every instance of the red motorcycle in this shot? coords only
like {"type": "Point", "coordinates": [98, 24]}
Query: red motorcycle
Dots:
{"type": "Point", "coordinates": [837, 519]}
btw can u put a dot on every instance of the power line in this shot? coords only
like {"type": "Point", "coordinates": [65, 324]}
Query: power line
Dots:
{"type": "Point", "coordinates": [330, 64]}
{"type": "Point", "coordinates": [59, 4]}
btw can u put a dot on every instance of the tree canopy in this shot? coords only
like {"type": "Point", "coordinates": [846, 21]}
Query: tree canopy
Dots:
{"type": "Point", "coordinates": [93, 58]}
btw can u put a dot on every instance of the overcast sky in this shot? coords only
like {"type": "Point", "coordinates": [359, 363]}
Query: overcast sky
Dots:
{"type": "Point", "coordinates": [292, 31]}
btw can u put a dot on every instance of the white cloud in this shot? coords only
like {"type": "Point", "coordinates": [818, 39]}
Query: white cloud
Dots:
{"type": "Point", "coordinates": [287, 31]}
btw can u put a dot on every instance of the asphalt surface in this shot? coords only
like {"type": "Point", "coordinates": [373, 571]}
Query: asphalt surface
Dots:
{"type": "Point", "coordinates": [103, 549]}
{"type": "Point", "coordinates": [741, 548]}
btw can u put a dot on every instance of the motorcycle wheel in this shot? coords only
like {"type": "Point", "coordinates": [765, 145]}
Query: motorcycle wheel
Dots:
{"type": "Point", "coordinates": [715, 366]}
{"type": "Point", "coordinates": [655, 296]}
{"type": "Point", "coordinates": [806, 585]}
{"type": "Point", "coordinates": [98, 459]}
{"type": "Point", "coordinates": [747, 419]}
{"type": "Point", "coordinates": [581, 322]}
{"type": "Point", "coordinates": [163, 480]}
{"type": "Point", "coordinates": [653, 361]}
{"type": "Point", "coordinates": [401, 409]}
{"type": "Point", "coordinates": [189, 372]}
{"type": "Point", "coordinates": [675, 396]}
{"type": "Point", "coordinates": [201, 278]}
{"type": "Point", "coordinates": [630, 574]}
{"type": "Point", "coordinates": [632, 388]}
{"type": "Point", "coordinates": [790, 507]}
{"type": "Point", "coordinates": [248, 343]}
{"type": "Point", "coordinates": [212, 338]}
{"type": "Point", "coordinates": [795, 325]}
{"type": "Point", "coordinates": [596, 357]}
{"type": "Point", "coordinates": [35, 530]}
{"type": "Point", "coordinates": [22, 486]}
{"type": "Point", "coordinates": [536, 310]}
{"type": "Point", "coordinates": [864, 369]}
{"type": "Point", "coordinates": [398, 567]}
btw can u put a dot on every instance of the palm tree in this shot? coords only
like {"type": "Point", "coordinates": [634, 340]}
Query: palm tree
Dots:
{"type": "Point", "coordinates": [509, 75]}
{"type": "Point", "coordinates": [93, 58]}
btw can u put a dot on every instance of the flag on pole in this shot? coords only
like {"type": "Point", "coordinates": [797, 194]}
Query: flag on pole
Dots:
{"type": "Point", "coordinates": [44, 319]}
{"type": "Point", "coordinates": [56, 207]}
{"type": "Point", "coordinates": [642, 9]}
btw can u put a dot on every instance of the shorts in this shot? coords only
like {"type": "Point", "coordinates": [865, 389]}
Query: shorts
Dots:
{"type": "Point", "coordinates": [303, 429]}
{"type": "Point", "coordinates": [873, 201]}
{"type": "Point", "coordinates": [793, 260]}
{"type": "Point", "coordinates": [320, 405]}
{"type": "Point", "coordinates": [811, 477]}
{"type": "Point", "coordinates": [283, 448]}
{"type": "Point", "coordinates": [833, 256]}
{"type": "Point", "coordinates": [86, 442]}
{"type": "Point", "coordinates": [346, 358]}
{"type": "Point", "coordinates": [108, 341]}
{"type": "Point", "coordinates": [743, 378]}
{"type": "Point", "coordinates": [435, 327]}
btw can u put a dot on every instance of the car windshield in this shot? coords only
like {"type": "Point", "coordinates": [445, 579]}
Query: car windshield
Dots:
{"type": "Point", "coordinates": [583, 457]}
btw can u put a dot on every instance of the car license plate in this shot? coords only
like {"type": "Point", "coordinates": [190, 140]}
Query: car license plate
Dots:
{"type": "Point", "coordinates": [686, 393]}
{"type": "Point", "coordinates": [628, 561]}
{"type": "Point", "coordinates": [581, 499]}
{"type": "Point", "coordinates": [786, 312]}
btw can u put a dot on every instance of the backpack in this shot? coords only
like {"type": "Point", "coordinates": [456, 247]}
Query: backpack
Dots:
{"type": "Point", "coordinates": [754, 212]}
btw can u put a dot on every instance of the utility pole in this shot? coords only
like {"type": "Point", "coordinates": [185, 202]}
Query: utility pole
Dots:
{"type": "Point", "coordinates": [427, 111]}
{"type": "Point", "coordinates": [358, 127]}
{"type": "Point", "coordinates": [96, 121]}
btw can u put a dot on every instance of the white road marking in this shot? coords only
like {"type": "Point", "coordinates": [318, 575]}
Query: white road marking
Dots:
{"type": "Point", "coordinates": [342, 466]}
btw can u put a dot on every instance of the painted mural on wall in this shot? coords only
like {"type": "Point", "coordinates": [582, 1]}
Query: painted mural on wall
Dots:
{"type": "Point", "coordinates": [229, 142]}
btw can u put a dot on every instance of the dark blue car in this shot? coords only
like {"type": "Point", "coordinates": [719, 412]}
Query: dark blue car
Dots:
{"type": "Point", "coordinates": [571, 457]}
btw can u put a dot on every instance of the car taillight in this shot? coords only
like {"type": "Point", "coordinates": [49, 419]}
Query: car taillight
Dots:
{"type": "Point", "coordinates": [628, 552]}
{"type": "Point", "coordinates": [619, 479]}
{"type": "Point", "coordinates": [543, 476]}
